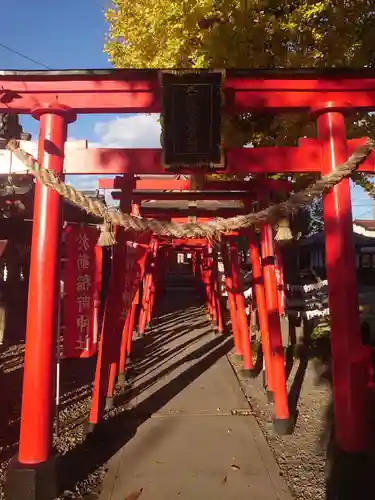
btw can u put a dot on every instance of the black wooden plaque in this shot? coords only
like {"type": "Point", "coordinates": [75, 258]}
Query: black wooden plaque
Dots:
{"type": "Point", "coordinates": [192, 107]}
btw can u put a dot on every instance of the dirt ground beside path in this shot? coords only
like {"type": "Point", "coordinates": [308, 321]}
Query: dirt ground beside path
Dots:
{"type": "Point", "coordinates": [301, 456]}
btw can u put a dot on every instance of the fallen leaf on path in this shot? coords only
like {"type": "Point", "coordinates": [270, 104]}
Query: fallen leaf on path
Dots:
{"type": "Point", "coordinates": [224, 480]}
{"type": "Point", "coordinates": [235, 467]}
{"type": "Point", "coordinates": [135, 495]}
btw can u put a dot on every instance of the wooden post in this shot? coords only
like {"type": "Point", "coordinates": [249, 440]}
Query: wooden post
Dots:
{"type": "Point", "coordinates": [32, 473]}
{"type": "Point", "coordinates": [283, 424]}
{"type": "Point", "coordinates": [350, 358]}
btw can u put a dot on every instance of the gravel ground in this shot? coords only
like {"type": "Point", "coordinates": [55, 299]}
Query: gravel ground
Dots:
{"type": "Point", "coordinates": [76, 376]}
{"type": "Point", "coordinates": [11, 363]}
{"type": "Point", "coordinates": [302, 455]}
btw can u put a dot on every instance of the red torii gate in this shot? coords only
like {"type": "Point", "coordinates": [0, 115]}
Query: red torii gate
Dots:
{"type": "Point", "coordinates": [259, 190]}
{"type": "Point", "coordinates": [55, 97]}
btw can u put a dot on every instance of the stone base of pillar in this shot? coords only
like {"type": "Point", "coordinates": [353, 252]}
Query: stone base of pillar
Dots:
{"type": "Point", "coordinates": [90, 428]}
{"type": "Point", "coordinates": [246, 373]}
{"type": "Point", "coordinates": [284, 426]}
{"type": "Point", "coordinates": [270, 396]}
{"type": "Point", "coordinates": [264, 380]}
{"type": "Point", "coordinates": [121, 379]}
{"type": "Point", "coordinates": [31, 481]}
{"type": "Point", "coordinates": [138, 346]}
{"type": "Point", "coordinates": [109, 403]}
{"type": "Point", "coordinates": [237, 357]}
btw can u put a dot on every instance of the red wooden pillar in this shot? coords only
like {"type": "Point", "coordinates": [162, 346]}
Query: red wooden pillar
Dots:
{"type": "Point", "coordinates": [198, 271]}
{"type": "Point", "coordinates": [231, 301]}
{"type": "Point", "coordinates": [219, 299]}
{"type": "Point", "coordinates": [113, 369]}
{"type": "Point", "coordinates": [206, 280]}
{"type": "Point", "coordinates": [127, 332]}
{"type": "Point", "coordinates": [159, 275]}
{"type": "Point", "coordinates": [205, 272]}
{"type": "Point", "coordinates": [213, 300]}
{"type": "Point", "coordinates": [32, 473]}
{"type": "Point", "coordinates": [350, 359]}
{"type": "Point", "coordinates": [211, 285]}
{"type": "Point", "coordinates": [143, 299]}
{"type": "Point", "coordinates": [142, 323]}
{"type": "Point", "coordinates": [197, 263]}
{"type": "Point", "coordinates": [124, 349]}
{"type": "Point", "coordinates": [151, 291]}
{"type": "Point", "coordinates": [150, 304]}
{"type": "Point", "coordinates": [240, 307]}
{"type": "Point", "coordinates": [153, 280]}
{"type": "Point", "coordinates": [164, 268]}
{"type": "Point", "coordinates": [282, 421]}
{"type": "Point", "coordinates": [193, 263]}
{"type": "Point", "coordinates": [217, 294]}
{"type": "Point", "coordinates": [132, 322]}
{"type": "Point", "coordinates": [146, 290]}
{"type": "Point", "coordinates": [258, 287]}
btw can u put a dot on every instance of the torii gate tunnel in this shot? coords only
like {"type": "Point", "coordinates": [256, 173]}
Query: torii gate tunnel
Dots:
{"type": "Point", "coordinates": [55, 98]}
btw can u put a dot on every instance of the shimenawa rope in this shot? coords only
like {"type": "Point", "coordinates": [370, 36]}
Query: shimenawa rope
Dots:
{"type": "Point", "coordinates": [211, 230]}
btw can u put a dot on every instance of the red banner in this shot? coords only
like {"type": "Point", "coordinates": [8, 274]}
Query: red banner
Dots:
{"type": "Point", "coordinates": [82, 282]}
{"type": "Point", "coordinates": [136, 253]}
{"type": "Point", "coordinates": [128, 267]}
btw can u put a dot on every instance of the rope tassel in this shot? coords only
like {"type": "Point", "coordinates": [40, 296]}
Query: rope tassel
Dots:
{"type": "Point", "coordinates": [283, 231]}
{"type": "Point", "coordinates": [107, 236]}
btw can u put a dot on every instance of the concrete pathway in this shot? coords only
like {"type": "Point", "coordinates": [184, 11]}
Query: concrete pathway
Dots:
{"type": "Point", "coordinates": [196, 438]}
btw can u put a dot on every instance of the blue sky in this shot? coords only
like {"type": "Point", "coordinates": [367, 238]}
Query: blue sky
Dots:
{"type": "Point", "coordinates": [62, 35]}
{"type": "Point", "coordinates": [70, 35]}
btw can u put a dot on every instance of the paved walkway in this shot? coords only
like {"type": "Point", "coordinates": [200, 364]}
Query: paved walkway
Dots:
{"type": "Point", "coordinates": [190, 445]}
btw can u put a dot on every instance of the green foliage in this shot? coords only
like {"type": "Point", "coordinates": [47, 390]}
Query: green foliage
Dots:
{"type": "Point", "coordinates": [315, 214]}
{"type": "Point", "coordinates": [322, 329]}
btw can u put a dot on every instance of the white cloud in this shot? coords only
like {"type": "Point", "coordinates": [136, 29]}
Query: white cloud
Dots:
{"type": "Point", "coordinates": [83, 182]}
{"type": "Point", "coordinates": [135, 131]}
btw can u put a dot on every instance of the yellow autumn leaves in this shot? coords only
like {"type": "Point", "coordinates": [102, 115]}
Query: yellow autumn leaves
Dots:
{"type": "Point", "coordinates": [246, 34]}
{"type": "Point", "coordinates": [240, 33]}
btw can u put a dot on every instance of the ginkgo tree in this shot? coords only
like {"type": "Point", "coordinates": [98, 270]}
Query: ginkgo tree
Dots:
{"type": "Point", "coordinates": [248, 34]}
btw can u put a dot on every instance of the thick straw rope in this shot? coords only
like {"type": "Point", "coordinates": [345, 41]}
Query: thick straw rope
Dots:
{"type": "Point", "coordinates": [211, 230]}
